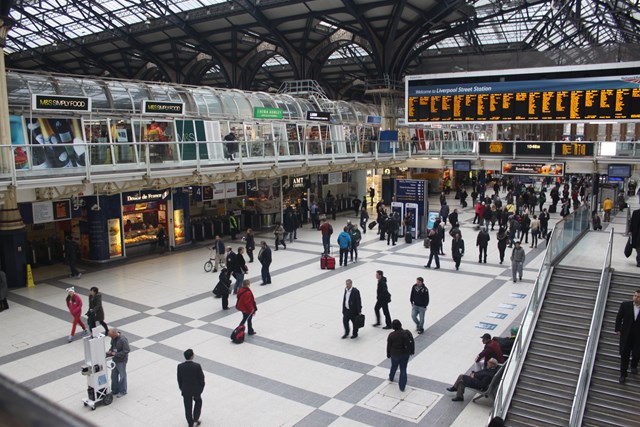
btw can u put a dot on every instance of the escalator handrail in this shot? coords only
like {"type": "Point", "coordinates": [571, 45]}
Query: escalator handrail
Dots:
{"type": "Point", "coordinates": [527, 325]}
{"type": "Point", "coordinates": [584, 378]}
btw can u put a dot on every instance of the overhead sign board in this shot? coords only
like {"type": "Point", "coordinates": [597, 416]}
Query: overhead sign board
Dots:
{"type": "Point", "coordinates": [267, 113]}
{"type": "Point", "coordinates": [60, 103]}
{"type": "Point", "coordinates": [161, 107]}
{"type": "Point", "coordinates": [577, 149]}
{"type": "Point", "coordinates": [533, 168]}
{"type": "Point", "coordinates": [318, 116]}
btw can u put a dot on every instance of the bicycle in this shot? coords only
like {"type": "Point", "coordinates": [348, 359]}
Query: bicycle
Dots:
{"type": "Point", "coordinates": [208, 265]}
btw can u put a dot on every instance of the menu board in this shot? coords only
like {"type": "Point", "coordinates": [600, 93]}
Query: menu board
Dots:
{"type": "Point", "coordinates": [578, 99]}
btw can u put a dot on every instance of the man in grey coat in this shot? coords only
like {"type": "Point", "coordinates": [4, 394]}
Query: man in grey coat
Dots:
{"type": "Point", "coordinates": [517, 260]}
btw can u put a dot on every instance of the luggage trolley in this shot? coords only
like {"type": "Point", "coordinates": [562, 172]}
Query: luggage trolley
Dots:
{"type": "Point", "coordinates": [96, 368]}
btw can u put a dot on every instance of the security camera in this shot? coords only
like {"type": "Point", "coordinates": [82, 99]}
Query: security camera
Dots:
{"type": "Point", "coordinates": [95, 207]}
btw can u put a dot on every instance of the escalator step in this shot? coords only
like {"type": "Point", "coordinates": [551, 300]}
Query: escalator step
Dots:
{"type": "Point", "coordinates": [535, 416]}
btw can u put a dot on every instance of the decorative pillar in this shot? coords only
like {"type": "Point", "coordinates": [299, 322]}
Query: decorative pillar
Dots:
{"type": "Point", "coordinates": [13, 236]}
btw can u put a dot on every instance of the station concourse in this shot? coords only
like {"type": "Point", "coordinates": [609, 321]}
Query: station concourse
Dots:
{"type": "Point", "coordinates": [296, 370]}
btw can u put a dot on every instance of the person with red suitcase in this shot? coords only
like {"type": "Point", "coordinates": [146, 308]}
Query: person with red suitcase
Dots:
{"type": "Point", "coordinates": [247, 306]}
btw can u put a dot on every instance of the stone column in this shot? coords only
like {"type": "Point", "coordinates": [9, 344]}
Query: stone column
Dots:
{"type": "Point", "coordinates": [13, 236]}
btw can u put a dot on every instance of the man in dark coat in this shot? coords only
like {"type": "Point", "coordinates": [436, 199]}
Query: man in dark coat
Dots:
{"type": "Point", "coordinates": [383, 298]}
{"type": "Point", "coordinates": [351, 308]}
{"type": "Point", "coordinates": [628, 328]}
{"type": "Point", "coordinates": [264, 256]}
{"type": "Point", "coordinates": [434, 248]}
{"type": "Point", "coordinates": [457, 249]}
{"type": "Point", "coordinates": [71, 252]}
{"type": "Point", "coordinates": [96, 312]}
{"type": "Point", "coordinates": [482, 242]}
{"type": "Point", "coordinates": [392, 225]}
{"type": "Point", "coordinates": [635, 234]}
{"type": "Point", "coordinates": [191, 383]}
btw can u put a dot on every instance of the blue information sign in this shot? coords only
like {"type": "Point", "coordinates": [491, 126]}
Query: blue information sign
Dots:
{"type": "Point", "coordinates": [412, 191]}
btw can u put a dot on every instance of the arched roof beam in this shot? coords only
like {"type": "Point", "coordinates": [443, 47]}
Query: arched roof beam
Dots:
{"type": "Point", "coordinates": [377, 47]}
{"type": "Point", "coordinates": [280, 40]}
{"type": "Point", "coordinates": [72, 44]}
{"type": "Point", "coordinates": [119, 32]}
{"type": "Point", "coordinates": [405, 45]}
{"type": "Point", "coordinates": [181, 23]}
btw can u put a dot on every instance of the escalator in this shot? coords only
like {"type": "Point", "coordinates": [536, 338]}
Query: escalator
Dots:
{"type": "Point", "coordinates": [608, 402]}
{"type": "Point", "coordinates": [547, 382]}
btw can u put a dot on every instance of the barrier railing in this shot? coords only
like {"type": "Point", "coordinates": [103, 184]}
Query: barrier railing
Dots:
{"type": "Point", "coordinates": [564, 235]}
{"type": "Point", "coordinates": [584, 378]}
{"type": "Point", "coordinates": [52, 161]}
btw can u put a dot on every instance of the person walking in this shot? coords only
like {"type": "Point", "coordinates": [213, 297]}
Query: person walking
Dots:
{"type": "Point", "coordinates": [517, 260]}
{"type": "Point", "coordinates": [628, 328]}
{"type": "Point", "coordinates": [218, 253]}
{"type": "Point", "coordinates": [351, 309]}
{"type": "Point", "coordinates": [4, 291]}
{"type": "Point", "coordinates": [74, 305]}
{"type": "Point", "coordinates": [607, 206]}
{"type": "Point", "coordinates": [279, 233]}
{"type": "Point", "coordinates": [457, 249]}
{"type": "Point", "coordinates": [383, 298]}
{"type": "Point", "coordinates": [119, 351]}
{"type": "Point", "coordinates": [239, 269]}
{"type": "Point", "coordinates": [326, 229]}
{"type": "Point", "coordinates": [313, 212]}
{"type": "Point", "coordinates": [355, 235]}
{"type": "Point", "coordinates": [71, 253]}
{"type": "Point", "coordinates": [482, 242]}
{"type": "Point", "coordinates": [502, 237]}
{"type": "Point", "coordinates": [392, 225]}
{"type": "Point", "coordinates": [264, 256]}
{"type": "Point", "coordinates": [400, 347]}
{"type": "Point", "coordinates": [230, 261]}
{"type": "Point", "coordinates": [223, 288]}
{"type": "Point", "coordinates": [290, 224]}
{"type": "Point", "coordinates": [233, 226]}
{"type": "Point", "coordinates": [634, 231]}
{"type": "Point", "coordinates": [434, 248]}
{"type": "Point", "coordinates": [191, 384]}
{"type": "Point", "coordinates": [250, 244]}
{"type": "Point", "coordinates": [96, 312]}
{"type": "Point", "coordinates": [364, 218]}
{"type": "Point", "coordinates": [344, 242]}
{"type": "Point", "coordinates": [247, 306]}
{"type": "Point", "coordinates": [535, 231]}
{"type": "Point", "coordinates": [419, 301]}
{"type": "Point", "coordinates": [372, 193]}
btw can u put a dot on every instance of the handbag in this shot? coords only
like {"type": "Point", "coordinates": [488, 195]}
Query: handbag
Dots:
{"type": "Point", "coordinates": [628, 249]}
{"type": "Point", "coordinates": [359, 321]}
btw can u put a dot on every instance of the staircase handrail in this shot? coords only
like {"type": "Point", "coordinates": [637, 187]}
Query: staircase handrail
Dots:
{"type": "Point", "coordinates": [584, 378]}
{"type": "Point", "coordinates": [563, 237]}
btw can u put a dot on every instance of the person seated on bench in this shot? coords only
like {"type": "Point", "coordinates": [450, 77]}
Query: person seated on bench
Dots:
{"type": "Point", "coordinates": [491, 350]}
{"type": "Point", "coordinates": [506, 343]}
{"type": "Point", "coordinates": [479, 380]}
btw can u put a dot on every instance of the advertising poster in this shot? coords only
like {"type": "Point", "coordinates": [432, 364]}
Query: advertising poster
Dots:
{"type": "Point", "coordinates": [533, 168]}
{"type": "Point", "coordinates": [178, 226]}
{"type": "Point", "coordinates": [18, 143]}
{"type": "Point", "coordinates": [115, 238]}
{"type": "Point", "coordinates": [432, 218]}
{"type": "Point", "coordinates": [55, 143]}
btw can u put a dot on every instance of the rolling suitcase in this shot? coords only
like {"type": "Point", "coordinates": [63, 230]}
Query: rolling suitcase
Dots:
{"type": "Point", "coordinates": [408, 237]}
{"type": "Point", "coordinates": [327, 262]}
{"type": "Point", "coordinates": [372, 224]}
{"type": "Point", "coordinates": [552, 208]}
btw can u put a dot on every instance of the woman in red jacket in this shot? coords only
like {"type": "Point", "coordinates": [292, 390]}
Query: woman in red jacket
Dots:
{"type": "Point", "coordinates": [247, 305]}
{"type": "Point", "coordinates": [74, 304]}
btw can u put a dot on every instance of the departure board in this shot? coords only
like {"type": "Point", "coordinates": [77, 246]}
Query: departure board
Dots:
{"type": "Point", "coordinates": [576, 99]}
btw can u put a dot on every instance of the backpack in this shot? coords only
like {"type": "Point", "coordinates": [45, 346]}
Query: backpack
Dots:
{"type": "Point", "coordinates": [237, 336]}
{"type": "Point", "coordinates": [409, 343]}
